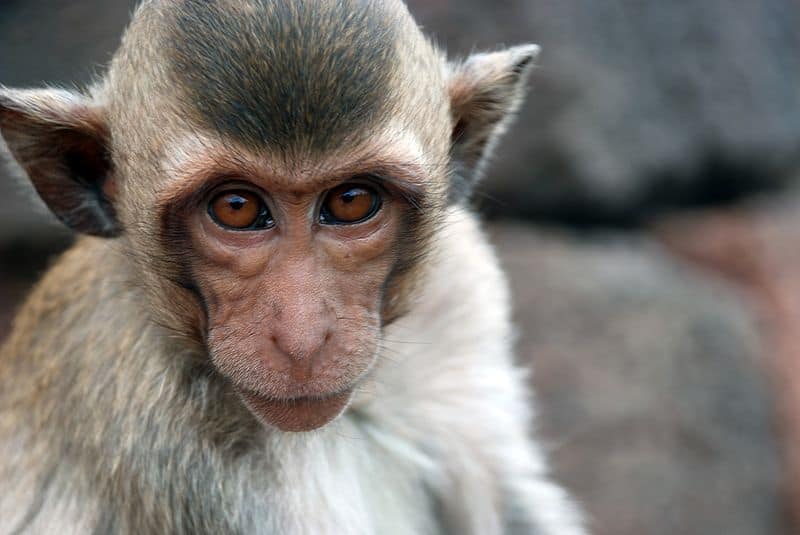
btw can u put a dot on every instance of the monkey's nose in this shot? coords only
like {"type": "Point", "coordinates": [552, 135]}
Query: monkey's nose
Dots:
{"type": "Point", "coordinates": [300, 351]}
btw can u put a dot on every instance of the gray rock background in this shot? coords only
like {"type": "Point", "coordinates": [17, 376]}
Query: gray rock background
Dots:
{"type": "Point", "coordinates": [663, 358]}
{"type": "Point", "coordinates": [648, 375]}
{"type": "Point", "coordinates": [638, 106]}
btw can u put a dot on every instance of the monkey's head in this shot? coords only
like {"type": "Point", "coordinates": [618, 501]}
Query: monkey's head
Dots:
{"type": "Point", "coordinates": [275, 170]}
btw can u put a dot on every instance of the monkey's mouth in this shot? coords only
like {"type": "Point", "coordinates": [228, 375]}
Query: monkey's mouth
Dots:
{"type": "Point", "coordinates": [297, 414]}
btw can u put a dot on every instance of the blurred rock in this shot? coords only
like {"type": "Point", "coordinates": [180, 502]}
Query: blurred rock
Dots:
{"type": "Point", "coordinates": [650, 387]}
{"type": "Point", "coordinates": [638, 106]}
{"type": "Point", "coordinates": [757, 246]}
{"type": "Point", "coordinates": [58, 41]}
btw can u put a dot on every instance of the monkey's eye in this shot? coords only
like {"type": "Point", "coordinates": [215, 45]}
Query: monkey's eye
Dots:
{"type": "Point", "coordinates": [349, 203]}
{"type": "Point", "coordinates": [240, 210]}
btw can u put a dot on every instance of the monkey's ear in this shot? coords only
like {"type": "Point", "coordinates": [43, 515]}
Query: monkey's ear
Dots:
{"type": "Point", "coordinates": [485, 91]}
{"type": "Point", "coordinates": [60, 139]}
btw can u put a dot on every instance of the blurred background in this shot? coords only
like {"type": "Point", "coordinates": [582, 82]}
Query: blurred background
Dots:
{"type": "Point", "coordinates": [646, 208]}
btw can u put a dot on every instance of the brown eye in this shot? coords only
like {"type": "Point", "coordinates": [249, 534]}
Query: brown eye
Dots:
{"type": "Point", "coordinates": [240, 210]}
{"type": "Point", "coordinates": [350, 203]}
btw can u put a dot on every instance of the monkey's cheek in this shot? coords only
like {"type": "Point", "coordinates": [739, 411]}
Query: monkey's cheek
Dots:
{"type": "Point", "coordinates": [296, 415]}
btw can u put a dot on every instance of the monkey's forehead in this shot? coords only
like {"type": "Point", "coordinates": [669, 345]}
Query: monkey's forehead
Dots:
{"type": "Point", "coordinates": [283, 73]}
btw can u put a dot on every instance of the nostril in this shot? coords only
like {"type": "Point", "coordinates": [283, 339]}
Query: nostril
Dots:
{"type": "Point", "coordinates": [327, 337]}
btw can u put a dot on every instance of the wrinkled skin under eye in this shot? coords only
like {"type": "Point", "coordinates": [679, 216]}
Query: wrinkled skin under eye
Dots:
{"type": "Point", "coordinates": [350, 203]}
{"type": "Point", "coordinates": [240, 210]}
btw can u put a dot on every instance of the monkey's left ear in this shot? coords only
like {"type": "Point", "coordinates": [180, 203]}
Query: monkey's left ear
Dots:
{"type": "Point", "coordinates": [60, 139]}
{"type": "Point", "coordinates": [485, 91]}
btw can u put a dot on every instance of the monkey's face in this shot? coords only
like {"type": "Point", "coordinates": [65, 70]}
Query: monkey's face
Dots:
{"type": "Point", "coordinates": [292, 270]}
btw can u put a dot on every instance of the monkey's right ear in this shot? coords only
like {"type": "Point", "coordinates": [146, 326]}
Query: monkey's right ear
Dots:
{"type": "Point", "coordinates": [485, 92]}
{"type": "Point", "coordinates": [61, 140]}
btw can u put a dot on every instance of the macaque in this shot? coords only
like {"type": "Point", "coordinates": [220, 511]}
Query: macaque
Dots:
{"type": "Point", "coordinates": [281, 316]}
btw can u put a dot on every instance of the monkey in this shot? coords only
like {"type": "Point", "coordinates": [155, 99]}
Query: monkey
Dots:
{"type": "Point", "coordinates": [281, 314]}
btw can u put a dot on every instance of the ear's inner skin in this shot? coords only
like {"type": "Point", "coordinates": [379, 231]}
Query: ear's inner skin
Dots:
{"type": "Point", "coordinates": [485, 91]}
{"type": "Point", "coordinates": [62, 144]}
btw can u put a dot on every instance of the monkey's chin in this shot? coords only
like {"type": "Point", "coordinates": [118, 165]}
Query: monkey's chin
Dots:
{"type": "Point", "coordinates": [297, 415]}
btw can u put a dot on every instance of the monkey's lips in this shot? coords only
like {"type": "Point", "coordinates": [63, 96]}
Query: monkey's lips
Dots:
{"type": "Point", "coordinates": [297, 414]}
